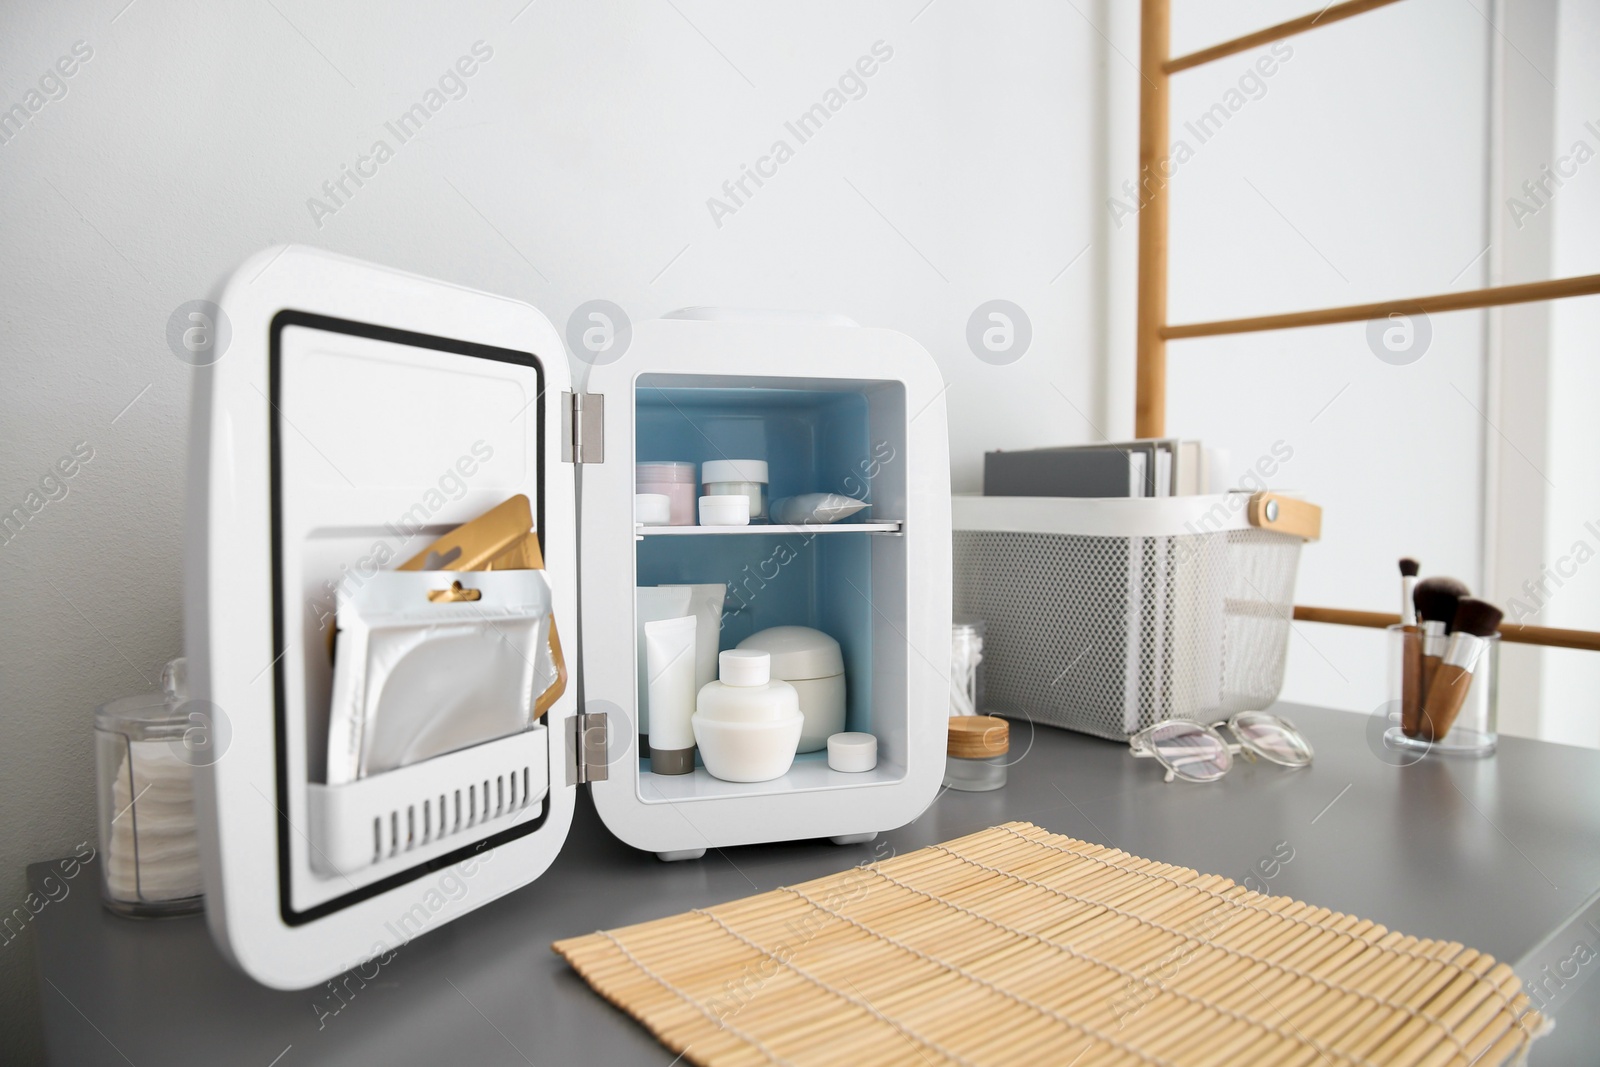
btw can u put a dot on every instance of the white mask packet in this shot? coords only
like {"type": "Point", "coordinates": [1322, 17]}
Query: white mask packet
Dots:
{"type": "Point", "coordinates": [429, 662]}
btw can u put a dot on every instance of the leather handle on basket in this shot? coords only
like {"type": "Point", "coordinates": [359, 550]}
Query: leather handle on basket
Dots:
{"type": "Point", "coordinates": [1286, 515]}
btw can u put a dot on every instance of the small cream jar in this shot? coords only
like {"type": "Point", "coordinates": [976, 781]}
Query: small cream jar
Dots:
{"type": "Point", "coordinates": [743, 477]}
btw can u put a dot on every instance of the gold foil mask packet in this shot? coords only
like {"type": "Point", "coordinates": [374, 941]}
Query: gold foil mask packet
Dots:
{"type": "Point", "coordinates": [501, 539]}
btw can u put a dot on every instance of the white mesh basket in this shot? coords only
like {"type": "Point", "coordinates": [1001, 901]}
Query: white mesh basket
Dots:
{"type": "Point", "coordinates": [1105, 616]}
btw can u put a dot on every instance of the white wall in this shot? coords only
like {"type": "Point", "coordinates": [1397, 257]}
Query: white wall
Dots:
{"type": "Point", "coordinates": [1354, 172]}
{"type": "Point", "coordinates": [1517, 488]}
{"type": "Point", "coordinates": [1571, 589]}
{"type": "Point", "coordinates": [577, 166]}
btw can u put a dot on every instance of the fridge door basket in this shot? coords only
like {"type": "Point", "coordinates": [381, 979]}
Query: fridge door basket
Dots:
{"type": "Point", "coordinates": [1107, 615]}
{"type": "Point", "coordinates": [416, 813]}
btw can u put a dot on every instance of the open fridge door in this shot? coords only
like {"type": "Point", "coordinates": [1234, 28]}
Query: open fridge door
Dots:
{"type": "Point", "coordinates": [356, 415]}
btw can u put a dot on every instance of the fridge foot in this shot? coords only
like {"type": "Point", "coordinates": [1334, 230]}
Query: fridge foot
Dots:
{"type": "Point", "coordinates": [675, 855]}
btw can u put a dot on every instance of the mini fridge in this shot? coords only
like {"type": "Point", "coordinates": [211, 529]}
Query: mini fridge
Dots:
{"type": "Point", "coordinates": [360, 412]}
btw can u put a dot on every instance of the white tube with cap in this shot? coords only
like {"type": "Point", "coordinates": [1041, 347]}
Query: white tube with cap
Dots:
{"type": "Point", "coordinates": [669, 658]}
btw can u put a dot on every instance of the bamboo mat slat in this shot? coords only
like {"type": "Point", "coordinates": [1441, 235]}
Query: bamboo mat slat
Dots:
{"type": "Point", "coordinates": [1015, 946]}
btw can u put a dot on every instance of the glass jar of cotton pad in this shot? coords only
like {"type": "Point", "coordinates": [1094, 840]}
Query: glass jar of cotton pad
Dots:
{"type": "Point", "coordinates": [146, 750]}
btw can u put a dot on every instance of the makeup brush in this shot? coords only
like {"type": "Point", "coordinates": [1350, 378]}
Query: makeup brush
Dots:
{"type": "Point", "coordinates": [1409, 568]}
{"type": "Point", "coordinates": [1474, 622]}
{"type": "Point", "coordinates": [1411, 650]}
{"type": "Point", "coordinates": [1435, 600]}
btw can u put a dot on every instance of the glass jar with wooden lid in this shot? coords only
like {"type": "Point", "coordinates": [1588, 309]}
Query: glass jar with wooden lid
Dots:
{"type": "Point", "coordinates": [977, 753]}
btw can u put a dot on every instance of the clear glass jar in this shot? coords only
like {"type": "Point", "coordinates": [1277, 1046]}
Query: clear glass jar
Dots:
{"type": "Point", "coordinates": [975, 775]}
{"type": "Point", "coordinates": [977, 753]}
{"type": "Point", "coordinates": [737, 477]}
{"type": "Point", "coordinates": [144, 763]}
{"type": "Point", "coordinates": [1474, 730]}
{"type": "Point", "coordinates": [966, 667]}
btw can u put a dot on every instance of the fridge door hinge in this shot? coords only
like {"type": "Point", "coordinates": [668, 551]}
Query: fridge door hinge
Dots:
{"type": "Point", "coordinates": [583, 427]}
{"type": "Point", "coordinates": [588, 745]}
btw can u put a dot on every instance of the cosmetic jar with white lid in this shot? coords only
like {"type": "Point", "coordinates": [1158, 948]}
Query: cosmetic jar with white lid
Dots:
{"type": "Point", "coordinates": [727, 510]}
{"type": "Point", "coordinates": [746, 477]}
{"type": "Point", "coordinates": [676, 481]}
{"type": "Point", "coordinates": [652, 509]}
{"type": "Point", "coordinates": [813, 663]}
{"type": "Point", "coordinates": [747, 723]}
{"type": "Point", "coordinates": [853, 753]}
{"type": "Point", "coordinates": [146, 750]}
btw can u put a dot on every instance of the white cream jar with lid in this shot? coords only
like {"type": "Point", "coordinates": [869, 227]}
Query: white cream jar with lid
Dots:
{"type": "Point", "coordinates": [746, 724]}
{"type": "Point", "coordinates": [813, 663]}
{"type": "Point", "coordinates": [652, 509]}
{"type": "Point", "coordinates": [737, 477]}
{"type": "Point", "coordinates": [732, 509]}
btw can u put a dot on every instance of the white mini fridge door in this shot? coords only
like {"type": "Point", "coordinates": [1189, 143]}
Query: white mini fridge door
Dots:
{"type": "Point", "coordinates": [357, 413]}
{"type": "Point", "coordinates": [830, 408]}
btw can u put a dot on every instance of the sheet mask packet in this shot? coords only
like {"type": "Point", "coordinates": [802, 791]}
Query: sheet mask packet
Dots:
{"type": "Point", "coordinates": [812, 509]}
{"type": "Point", "coordinates": [429, 664]}
{"type": "Point", "coordinates": [501, 539]}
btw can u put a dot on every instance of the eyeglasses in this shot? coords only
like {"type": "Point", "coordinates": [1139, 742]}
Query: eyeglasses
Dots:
{"type": "Point", "coordinates": [1197, 752]}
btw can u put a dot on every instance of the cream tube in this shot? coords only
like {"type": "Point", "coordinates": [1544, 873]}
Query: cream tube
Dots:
{"type": "Point", "coordinates": [706, 604]}
{"type": "Point", "coordinates": [669, 658]}
{"type": "Point", "coordinates": [652, 604]}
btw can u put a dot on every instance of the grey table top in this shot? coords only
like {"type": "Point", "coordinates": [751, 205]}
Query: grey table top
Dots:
{"type": "Point", "coordinates": [1502, 854]}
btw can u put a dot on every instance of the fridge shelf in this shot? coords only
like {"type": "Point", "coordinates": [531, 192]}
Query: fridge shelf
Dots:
{"type": "Point", "coordinates": [810, 773]}
{"type": "Point", "coordinates": [887, 526]}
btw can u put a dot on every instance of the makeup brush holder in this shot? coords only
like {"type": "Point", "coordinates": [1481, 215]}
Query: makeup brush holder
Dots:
{"type": "Point", "coordinates": [1474, 731]}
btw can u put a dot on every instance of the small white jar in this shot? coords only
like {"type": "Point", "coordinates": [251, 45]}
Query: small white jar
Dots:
{"type": "Point", "coordinates": [652, 509]}
{"type": "Point", "coordinates": [813, 663]}
{"type": "Point", "coordinates": [746, 724]}
{"type": "Point", "coordinates": [853, 753]}
{"type": "Point", "coordinates": [744, 477]}
{"type": "Point", "coordinates": [730, 510]}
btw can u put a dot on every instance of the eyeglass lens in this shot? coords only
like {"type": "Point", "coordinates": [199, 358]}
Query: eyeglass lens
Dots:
{"type": "Point", "coordinates": [1272, 738]}
{"type": "Point", "coordinates": [1190, 751]}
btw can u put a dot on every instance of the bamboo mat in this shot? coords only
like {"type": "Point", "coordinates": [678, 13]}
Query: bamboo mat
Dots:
{"type": "Point", "coordinates": [1017, 946]}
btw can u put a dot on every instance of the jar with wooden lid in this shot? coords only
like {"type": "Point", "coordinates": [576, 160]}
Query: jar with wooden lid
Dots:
{"type": "Point", "coordinates": [977, 753]}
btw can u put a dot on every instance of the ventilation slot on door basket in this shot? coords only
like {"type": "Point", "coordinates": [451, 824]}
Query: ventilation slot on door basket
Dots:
{"type": "Point", "coordinates": [414, 813]}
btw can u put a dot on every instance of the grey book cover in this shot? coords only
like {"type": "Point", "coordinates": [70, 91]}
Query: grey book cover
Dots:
{"type": "Point", "coordinates": [1107, 471]}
